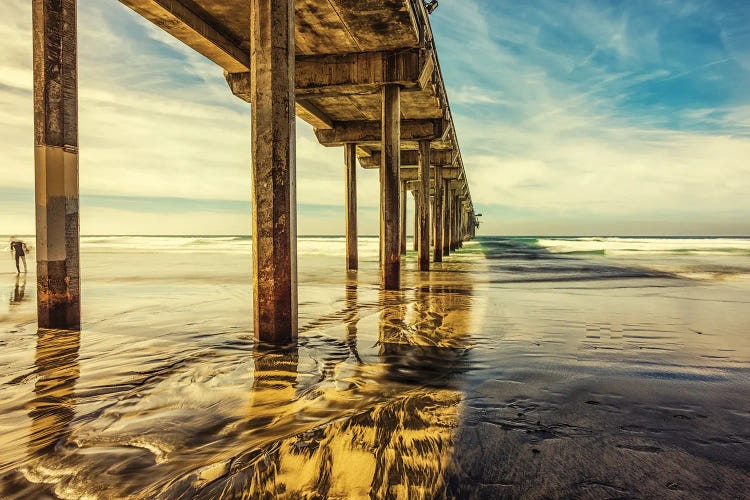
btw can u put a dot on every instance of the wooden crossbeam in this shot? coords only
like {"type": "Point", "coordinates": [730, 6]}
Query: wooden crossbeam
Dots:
{"type": "Point", "coordinates": [308, 111]}
{"type": "Point", "coordinates": [409, 158]}
{"type": "Point", "coordinates": [346, 74]}
{"type": "Point", "coordinates": [411, 174]}
{"type": "Point", "coordinates": [190, 24]}
{"type": "Point", "coordinates": [364, 132]}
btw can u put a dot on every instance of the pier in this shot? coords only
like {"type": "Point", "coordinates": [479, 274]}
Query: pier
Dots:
{"type": "Point", "coordinates": [364, 74]}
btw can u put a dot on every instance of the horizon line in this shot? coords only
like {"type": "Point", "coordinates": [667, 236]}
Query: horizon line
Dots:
{"type": "Point", "coordinates": [198, 235]}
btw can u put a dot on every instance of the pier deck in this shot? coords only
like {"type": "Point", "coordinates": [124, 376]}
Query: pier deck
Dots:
{"type": "Point", "coordinates": [346, 50]}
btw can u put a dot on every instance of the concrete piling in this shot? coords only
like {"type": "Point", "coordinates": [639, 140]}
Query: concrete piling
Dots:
{"type": "Point", "coordinates": [350, 157]}
{"type": "Point", "coordinates": [439, 214]}
{"type": "Point", "coordinates": [56, 163]}
{"type": "Point", "coordinates": [390, 188]}
{"type": "Point", "coordinates": [274, 171]}
{"type": "Point", "coordinates": [422, 208]}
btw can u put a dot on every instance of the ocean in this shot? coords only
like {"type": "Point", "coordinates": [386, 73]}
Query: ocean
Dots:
{"type": "Point", "coordinates": [535, 367]}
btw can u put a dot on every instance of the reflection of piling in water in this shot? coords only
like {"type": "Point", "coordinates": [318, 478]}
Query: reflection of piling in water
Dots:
{"type": "Point", "coordinates": [397, 446]}
{"type": "Point", "coordinates": [52, 409]}
{"type": "Point", "coordinates": [351, 315]}
{"type": "Point", "coordinates": [440, 315]}
{"type": "Point", "coordinates": [392, 325]}
{"type": "Point", "coordinates": [430, 346]}
{"type": "Point", "coordinates": [274, 382]}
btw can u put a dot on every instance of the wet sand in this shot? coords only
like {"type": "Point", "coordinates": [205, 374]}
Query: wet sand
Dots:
{"type": "Point", "coordinates": [507, 372]}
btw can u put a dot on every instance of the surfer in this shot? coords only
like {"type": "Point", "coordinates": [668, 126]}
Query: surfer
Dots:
{"type": "Point", "coordinates": [19, 249]}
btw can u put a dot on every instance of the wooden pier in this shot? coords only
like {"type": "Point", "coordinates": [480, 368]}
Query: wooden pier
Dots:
{"type": "Point", "coordinates": [363, 73]}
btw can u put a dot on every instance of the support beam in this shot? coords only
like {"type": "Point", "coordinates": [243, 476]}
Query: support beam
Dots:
{"type": "Point", "coordinates": [352, 257]}
{"type": "Point", "coordinates": [343, 75]}
{"type": "Point", "coordinates": [390, 186]}
{"type": "Point", "coordinates": [56, 163]}
{"type": "Point", "coordinates": [403, 218]}
{"type": "Point", "coordinates": [459, 224]}
{"type": "Point", "coordinates": [361, 73]}
{"type": "Point", "coordinates": [415, 240]}
{"type": "Point", "coordinates": [447, 193]}
{"type": "Point", "coordinates": [437, 213]}
{"type": "Point", "coordinates": [310, 113]}
{"type": "Point", "coordinates": [369, 132]}
{"type": "Point", "coordinates": [467, 221]}
{"type": "Point", "coordinates": [190, 24]}
{"type": "Point", "coordinates": [463, 226]}
{"type": "Point", "coordinates": [453, 223]}
{"type": "Point", "coordinates": [412, 174]}
{"type": "Point", "coordinates": [274, 172]}
{"type": "Point", "coordinates": [423, 209]}
{"type": "Point", "coordinates": [456, 224]}
{"type": "Point", "coordinates": [241, 86]}
{"type": "Point", "coordinates": [339, 76]}
{"type": "Point", "coordinates": [454, 211]}
{"type": "Point", "coordinates": [410, 158]}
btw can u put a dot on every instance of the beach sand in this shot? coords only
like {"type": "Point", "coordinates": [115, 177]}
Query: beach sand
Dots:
{"type": "Point", "coordinates": [576, 368]}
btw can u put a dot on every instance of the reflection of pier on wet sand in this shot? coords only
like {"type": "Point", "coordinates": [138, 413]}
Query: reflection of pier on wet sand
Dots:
{"type": "Point", "coordinates": [377, 417]}
{"type": "Point", "coordinates": [343, 436]}
{"type": "Point", "coordinates": [366, 77]}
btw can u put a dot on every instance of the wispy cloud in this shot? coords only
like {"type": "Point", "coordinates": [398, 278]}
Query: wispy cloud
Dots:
{"type": "Point", "coordinates": [623, 112]}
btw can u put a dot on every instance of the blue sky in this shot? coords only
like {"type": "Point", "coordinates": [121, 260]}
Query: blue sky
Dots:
{"type": "Point", "coordinates": [619, 117]}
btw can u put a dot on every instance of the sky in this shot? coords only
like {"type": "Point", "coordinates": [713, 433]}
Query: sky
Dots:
{"type": "Point", "coordinates": [574, 117]}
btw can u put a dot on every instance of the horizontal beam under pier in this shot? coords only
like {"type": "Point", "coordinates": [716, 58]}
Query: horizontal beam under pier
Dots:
{"type": "Point", "coordinates": [410, 158]}
{"type": "Point", "coordinates": [369, 132]}
{"type": "Point", "coordinates": [446, 173]}
{"type": "Point", "coordinates": [193, 26]}
{"type": "Point", "coordinates": [345, 74]}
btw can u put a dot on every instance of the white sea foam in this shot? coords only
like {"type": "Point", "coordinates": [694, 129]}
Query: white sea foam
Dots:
{"type": "Point", "coordinates": [648, 246]}
{"type": "Point", "coordinates": [368, 245]}
{"type": "Point", "coordinates": [238, 245]}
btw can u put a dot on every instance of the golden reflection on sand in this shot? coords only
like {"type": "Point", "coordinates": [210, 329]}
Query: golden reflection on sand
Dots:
{"type": "Point", "coordinates": [352, 314]}
{"type": "Point", "coordinates": [53, 407]}
{"type": "Point", "coordinates": [372, 413]}
{"type": "Point", "coordinates": [396, 446]}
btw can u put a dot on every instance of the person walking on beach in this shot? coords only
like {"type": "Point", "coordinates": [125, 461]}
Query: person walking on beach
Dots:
{"type": "Point", "coordinates": [19, 249]}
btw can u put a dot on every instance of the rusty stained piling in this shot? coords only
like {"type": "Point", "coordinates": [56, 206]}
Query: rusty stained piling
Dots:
{"type": "Point", "coordinates": [422, 210]}
{"type": "Point", "coordinates": [455, 230]}
{"type": "Point", "coordinates": [390, 188]}
{"type": "Point", "coordinates": [415, 198]}
{"type": "Point", "coordinates": [438, 213]}
{"type": "Point", "coordinates": [350, 160]}
{"type": "Point", "coordinates": [459, 227]}
{"type": "Point", "coordinates": [56, 163]}
{"type": "Point", "coordinates": [274, 171]}
{"type": "Point", "coordinates": [447, 213]}
{"type": "Point", "coordinates": [402, 237]}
